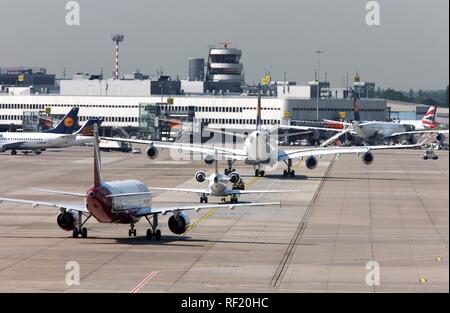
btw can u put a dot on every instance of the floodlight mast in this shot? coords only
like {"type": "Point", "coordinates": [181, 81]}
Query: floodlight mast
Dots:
{"type": "Point", "coordinates": [117, 38]}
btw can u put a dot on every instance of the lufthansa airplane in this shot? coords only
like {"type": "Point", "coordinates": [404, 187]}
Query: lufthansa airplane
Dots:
{"type": "Point", "coordinates": [59, 137]}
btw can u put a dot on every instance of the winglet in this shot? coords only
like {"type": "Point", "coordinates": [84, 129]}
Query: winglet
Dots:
{"type": "Point", "coordinates": [98, 177]}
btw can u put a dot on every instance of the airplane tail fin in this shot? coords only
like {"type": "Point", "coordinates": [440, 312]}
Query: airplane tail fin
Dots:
{"type": "Point", "coordinates": [67, 124]}
{"type": "Point", "coordinates": [98, 177]}
{"type": "Point", "coordinates": [258, 112]}
{"type": "Point", "coordinates": [430, 117]}
{"type": "Point", "coordinates": [88, 127]}
{"type": "Point", "coordinates": [356, 105]}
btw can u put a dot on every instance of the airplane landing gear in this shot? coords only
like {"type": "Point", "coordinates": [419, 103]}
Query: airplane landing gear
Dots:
{"type": "Point", "coordinates": [79, 230]}
{"type": "Point", "coordinates": [13, 152]}
{"type": "Point", "coordinates": [234, 199]}
{"type": "Point", "coordinates": [132, 230]}
{"type": "Point", "coordinates": [153, 231]}
{"type": "Point", "coordinates": [259, 171]}
{"type": "Point", "coordinates": [204, 199]}
{"type": "Point", "coordinates": [289, 172]}
{"type": "Point", "coordinates": [230, 168]}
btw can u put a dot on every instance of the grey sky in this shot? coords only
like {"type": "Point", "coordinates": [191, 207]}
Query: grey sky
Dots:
{"type": "Point", "coordinates": [409, 50]}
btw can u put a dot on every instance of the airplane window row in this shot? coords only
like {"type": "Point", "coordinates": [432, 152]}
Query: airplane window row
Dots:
{"type": "Point", "coordinates": [238, 121]}
{"type": "Point", "coordinates": [337, 109]}
{"type": "Point", "coordinates": [21, 139]}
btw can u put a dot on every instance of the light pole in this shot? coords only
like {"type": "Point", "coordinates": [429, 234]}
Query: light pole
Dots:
{"type": "Point", "coordinates": [117, 38]}
{"type": "Point", "coordinates": [318, 52]}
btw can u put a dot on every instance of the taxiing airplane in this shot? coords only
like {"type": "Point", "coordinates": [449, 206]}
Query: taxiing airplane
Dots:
{"type": "Point", "coordinates": [120, 202]}
{"type": "Point", "coordinates": [261, 150]}
{"type": "Point", "coordinates": [218, 186]}
{"type": "Point", "coordinates": [394, 131]}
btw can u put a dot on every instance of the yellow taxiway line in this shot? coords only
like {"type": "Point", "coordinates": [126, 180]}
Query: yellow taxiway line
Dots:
{"type": "Point", "coordinates": [212, 211]}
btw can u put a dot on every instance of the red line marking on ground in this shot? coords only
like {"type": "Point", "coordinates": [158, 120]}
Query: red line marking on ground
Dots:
{"type": "Point", "coordinates": [142, 283]}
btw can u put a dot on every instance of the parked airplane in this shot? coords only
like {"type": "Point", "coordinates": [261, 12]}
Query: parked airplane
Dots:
{"type": "Point", "coordinates": [38, 142]}
{"type": "Point", "coordinates": [260, 150]}
{"type": "Point", "coordinates": [218, 186]}
{"type": "Point", "coordinates": [55, 138]}
{"type": "Point", "coordinates": [122, 202]}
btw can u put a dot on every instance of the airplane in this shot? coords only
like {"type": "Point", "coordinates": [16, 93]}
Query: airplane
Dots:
{"type": "Point", "coordinates": [55, 138]}
{"type": "Point", "coordinates": [119, 202]}
{"type": "Point", "coordinates": [38, 142]}
{"type": "Point", "coordinates": [260, 150]}
{"type": "Point", "coordinates": [218, 186]}
{"type": "Point", "coordinates": [393, 131]}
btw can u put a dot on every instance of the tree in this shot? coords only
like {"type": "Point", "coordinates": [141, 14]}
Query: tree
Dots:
{"type": "Point", "coordinates": [446, 97]}
{"type": "Point", "coordinates": [411, 94]}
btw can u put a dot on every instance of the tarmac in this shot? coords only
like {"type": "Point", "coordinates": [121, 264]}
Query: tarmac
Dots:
{"type": "Point", "coordinates": [349, 228]}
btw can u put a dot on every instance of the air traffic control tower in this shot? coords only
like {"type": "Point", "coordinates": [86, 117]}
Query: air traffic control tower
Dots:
{"type": "Point", "coordinates": [224, 71]}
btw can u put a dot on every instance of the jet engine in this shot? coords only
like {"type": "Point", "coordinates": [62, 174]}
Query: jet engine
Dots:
{"type": "Point", "coordinates": [209, 159]}
{"type": "Point", "coordinates": [311, 162]}
{"type": "Point", "coordinates": [179, 223]}
{"type": "Point", "coordinates": [234, 177]}
{"type": "Point", "coordinates": [367, 158]}
{"type": "Point", "coordinates": [440, 137]}
{"type": "Point", "coordinates": [200, 176]}
{"type": "Point", "coordinates": [66, 220]}
{"type": "Point", "coordinates": [152, 152]}
{"type": "Point", "coordinates": [412, 140]}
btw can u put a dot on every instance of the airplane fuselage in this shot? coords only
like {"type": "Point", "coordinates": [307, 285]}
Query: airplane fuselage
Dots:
{"type": "Point", "coordinates": [381, 130]}
{"type": "Point", "coordinates": [259, 148]}
{"type": "Point", "coordinates": [418, 124]}
{"type": "Point", "coordinates": [218, 185]}
{"type": "Point", "coordinates": [33, 141]}
{"type": "Point", "coordinates": [117, 209]}
{"type": "Point", "coordinates": [79, 140]}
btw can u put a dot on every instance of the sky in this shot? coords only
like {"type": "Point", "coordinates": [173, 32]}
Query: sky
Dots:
{"type": "Point", "coordinates": [409, 49]}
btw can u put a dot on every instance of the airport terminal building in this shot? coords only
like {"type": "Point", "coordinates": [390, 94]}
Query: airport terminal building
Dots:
{"type": "Point", "coordinates": [235, 112]}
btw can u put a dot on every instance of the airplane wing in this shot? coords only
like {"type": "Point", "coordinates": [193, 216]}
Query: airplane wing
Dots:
{"type": "Point", "coordinates": [196, 207]}
{"type": "Point", "coordinates": [248, 192]}
{"type": "Point", "coordinates": [197, 191]}
{"type": "Point", "coordinates": [233, 154]}
{"type": "Point", "coordinates": [444, 131]}
{"type": "Point", "coordinates": [310, 128]}
{"type": "Point", "coordinates": [285, 155]}
{"type": "Point", "coordinates": [12, 145]}
{"type": "Point", "coordinates": [81, 207]}
{"type": "Point", "coordinates": [64, 193]}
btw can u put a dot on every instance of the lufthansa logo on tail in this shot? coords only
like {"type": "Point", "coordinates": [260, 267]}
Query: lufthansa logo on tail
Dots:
{"type": "Point", "coordinates": [68, 122]}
